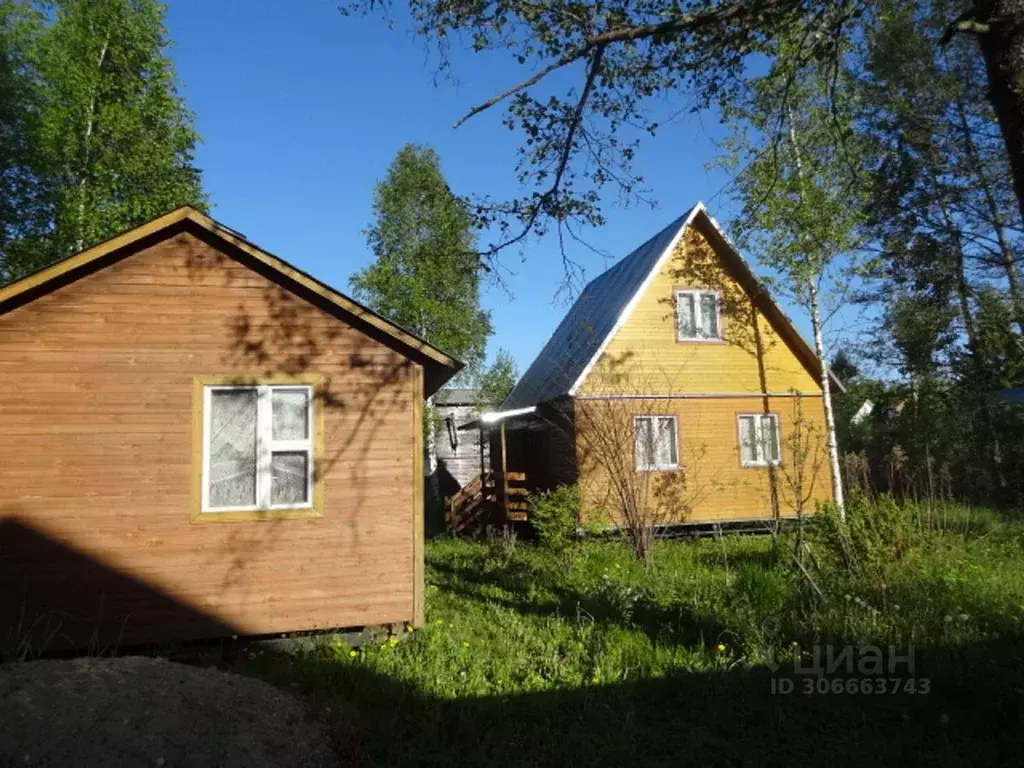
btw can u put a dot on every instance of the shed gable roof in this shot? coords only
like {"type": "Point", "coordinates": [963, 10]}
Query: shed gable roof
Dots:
{"type": "Point", "coordinates": [607, 301]}
{"type": "Point", "coordinates": [441, 365]}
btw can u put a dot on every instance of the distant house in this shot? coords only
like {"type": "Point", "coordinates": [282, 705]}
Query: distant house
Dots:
{"type": "Point", "coordinates": [461, 455]}
{"type": "Point", "coordinates": [674, 367]}
{"type": "Point", "coordinates": [202, 440]}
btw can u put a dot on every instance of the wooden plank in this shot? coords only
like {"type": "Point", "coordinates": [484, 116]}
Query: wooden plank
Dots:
{"type": "Point", "coordinates": [419, 617]}
{"type": "Point", "coordinates": [516, 476]}
{"type": "Point", "coordinates": [99, 415]}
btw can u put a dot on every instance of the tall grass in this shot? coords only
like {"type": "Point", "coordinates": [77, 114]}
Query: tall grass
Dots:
{"type": "Point", "coordinates": [508, 620]}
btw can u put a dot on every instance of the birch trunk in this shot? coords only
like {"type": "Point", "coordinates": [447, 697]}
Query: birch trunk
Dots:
{"type": "Point", "coordinates": [430, 465]}
{"type": "Point", "coordinates": [84, 169]}
{"type": "Point", "coordinates": [826, 399]}
{"type": "Point", "coordinates": [819, 349]}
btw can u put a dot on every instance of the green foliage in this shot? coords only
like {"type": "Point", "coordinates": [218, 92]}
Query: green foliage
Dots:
{"type": "Point", "coordinates": [426, 276]}
{"type": "Point", "coordinates": [22, 209]}
{"type": "Point", "coordinates": [103, 135]}
{"type": "Point", "coordinates": [497, 382]}
{"type": "Point", "coordinates": [875, 533]}
{"type": "Point", "coordinates": [628, 56]}
{"type": "Point", "coordinates": [516, 647]}
{"type": "Point", "coordinates": [555, 516]}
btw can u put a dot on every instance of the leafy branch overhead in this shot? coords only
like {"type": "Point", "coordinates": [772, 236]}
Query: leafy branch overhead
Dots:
{"type": "Point", "coordinates": [577, 139]}
{"type": "Point", "coordinates": [627, 53]}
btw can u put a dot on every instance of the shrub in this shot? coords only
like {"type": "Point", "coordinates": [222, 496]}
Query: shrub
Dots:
{"type": "Point", "coordinates": [875, 532]}
{"type": "Point", "coordinates": [554, 515]}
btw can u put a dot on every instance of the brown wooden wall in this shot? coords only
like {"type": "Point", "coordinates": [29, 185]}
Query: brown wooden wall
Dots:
{"type": "Point", "coordinates": [712, 485]}
{"type": "Point", "coordinates": [96, 462]}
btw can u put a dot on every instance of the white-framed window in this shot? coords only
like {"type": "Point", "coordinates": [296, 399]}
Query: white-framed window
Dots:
{"type": "Point", "coordinates": [656, 443]}
{"type": "Point", "coordinates": [698, 316]}
{"type": "Point", "coordinates": [257, 447]}
{"type": "Point", "coordinates": [759, 439]}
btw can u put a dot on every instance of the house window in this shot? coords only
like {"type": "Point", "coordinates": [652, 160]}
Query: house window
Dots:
{"type": "Point", "coordinates": [257, 448]}
{"type": "Point", "coordinates": [759, 439]}
{"type": "Point", "coordinates": [697, 315]}
{"type": "Point", "coordinates": [657, 443]}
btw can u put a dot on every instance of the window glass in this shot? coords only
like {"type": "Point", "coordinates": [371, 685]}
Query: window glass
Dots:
{"type": "Point", "coordinates": [709, 315]}
{"type": "Point", "coordinates": [257, 448]}
{"type": "Point", "coordinates": [667, 442]}
{"type": "Point", "coordinates": [645, 452]}
{"type": "Point", "coordinates": [771, 437]}
{"type": "Point", "coordinates": [290, 409]}
{"type": "Point", "coordinates": [748, 439]}
{"type": "Point", "coordinates": [656, 443]}
{"type": "Point", "coordinates": [289, 472]}
{"type": "Point", "coordinates": [232, 447]}
{"type": "Point", "coordinates": [686, 309]}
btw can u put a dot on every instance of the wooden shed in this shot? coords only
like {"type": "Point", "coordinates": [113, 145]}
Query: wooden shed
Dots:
{"type": "Point", "coordinates": [202, 440]}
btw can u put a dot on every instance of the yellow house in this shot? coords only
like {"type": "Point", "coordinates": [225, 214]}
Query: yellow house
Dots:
{"type": "Point", "coordinates": [674, 391]}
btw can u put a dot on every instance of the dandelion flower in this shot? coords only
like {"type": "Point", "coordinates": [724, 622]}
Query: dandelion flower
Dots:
{"type": "Point", "coordinates": [721, 648]}
{"type": "Point", "coordinates": [465, 644]}
{"type": "Point", "coordinates": [353, 654]}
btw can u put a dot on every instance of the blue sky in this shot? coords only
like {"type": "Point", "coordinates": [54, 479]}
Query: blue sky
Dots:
{"type": "Point", "coordinates": [302, 109]}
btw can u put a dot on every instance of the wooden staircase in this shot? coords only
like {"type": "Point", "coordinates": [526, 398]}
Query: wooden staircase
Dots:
{"type": "Point", "coordinates": [487, 498]}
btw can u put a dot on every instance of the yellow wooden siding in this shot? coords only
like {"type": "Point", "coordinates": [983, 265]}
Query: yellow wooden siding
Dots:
{"type": "Point", "coordinates": [644, 355]}
{"type": "Point", "coordinates": [711, 484]}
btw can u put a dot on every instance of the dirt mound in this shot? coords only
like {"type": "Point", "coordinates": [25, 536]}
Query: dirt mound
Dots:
{"type": "Point", "coordinates": [138, 711]}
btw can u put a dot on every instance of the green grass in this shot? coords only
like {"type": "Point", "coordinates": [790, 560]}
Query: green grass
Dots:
{"type": "Point", "coordinates": [589, 657]}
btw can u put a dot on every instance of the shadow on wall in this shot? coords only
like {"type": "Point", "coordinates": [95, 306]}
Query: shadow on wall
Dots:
{"type": "Point", "coordinates": [280, 335]}
{"type": "Point", "coordinates": [54, 597]}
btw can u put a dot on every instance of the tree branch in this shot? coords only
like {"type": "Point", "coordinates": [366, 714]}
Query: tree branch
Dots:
{"type": "Point", "coordinates": [563, 159]}
{"type": "Point", "coordinates": [687, 23]}
{"type": "Point", "coordinates": [966, 23]}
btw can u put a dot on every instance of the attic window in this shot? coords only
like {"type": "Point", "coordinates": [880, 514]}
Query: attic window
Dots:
{"type": "Point", "coordinates": [256, 450]}
{"type": "Point", "coordinates": [698, 317]}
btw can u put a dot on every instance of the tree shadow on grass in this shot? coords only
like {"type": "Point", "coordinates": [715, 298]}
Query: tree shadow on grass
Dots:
{"type": "Point", "coordinates": [629, 609]}
{"type": "Point", "coordinates": [971, 716]}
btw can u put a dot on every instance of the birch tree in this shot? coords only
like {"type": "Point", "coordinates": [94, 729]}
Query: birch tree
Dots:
{"type": "Point", "coordinates": [426, 273]}
{"type": "Point", "coordinates": [799, 184]}
{"type": "Point", "coordinates": [111, 143]}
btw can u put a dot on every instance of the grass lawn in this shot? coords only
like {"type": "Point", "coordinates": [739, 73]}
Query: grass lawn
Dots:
{"type": "Point", "coordinates": [588, 657]}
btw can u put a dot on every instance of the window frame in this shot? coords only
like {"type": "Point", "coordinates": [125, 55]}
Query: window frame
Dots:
{"type": "Point", "coordinates": [266, 447]}
{"type": "Point", "coordinates": [675, 437]}
{"type": "Point", "coordinates": [698, 313]}
{"type": "Point", "coordinates": [760, 460]}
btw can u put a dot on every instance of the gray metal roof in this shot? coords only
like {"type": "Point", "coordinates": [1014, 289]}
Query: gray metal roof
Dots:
{"type": "Point", "coordinates": [456, 396]}
{"type": "Point", "coordinates": [587, 324]}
